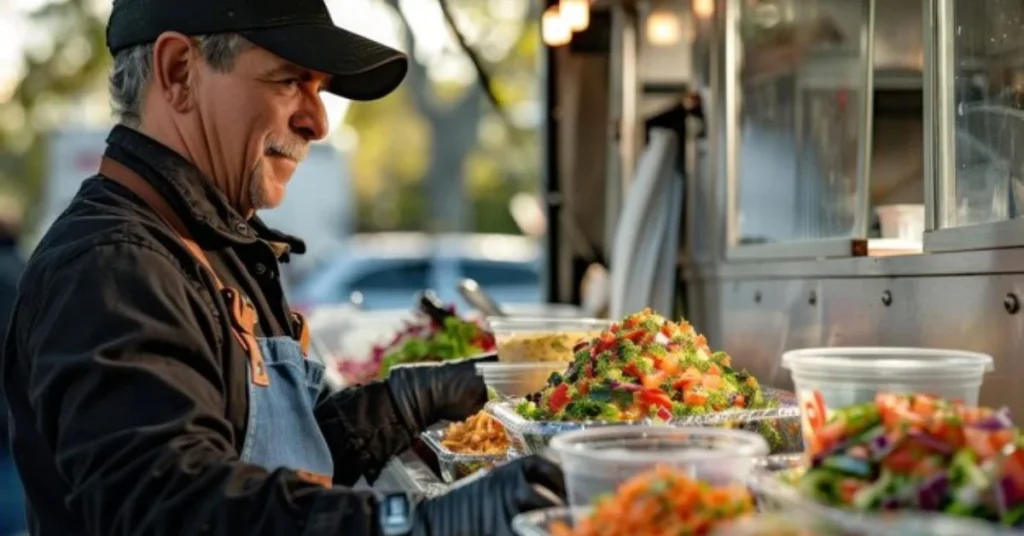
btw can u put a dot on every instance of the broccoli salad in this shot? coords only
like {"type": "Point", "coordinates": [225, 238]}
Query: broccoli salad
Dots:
{"type": "Point", "coordinates": [644, 367]}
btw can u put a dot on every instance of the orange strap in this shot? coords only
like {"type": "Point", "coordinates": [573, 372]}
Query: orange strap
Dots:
{"type": "Point", "coordinates": [243, 312]}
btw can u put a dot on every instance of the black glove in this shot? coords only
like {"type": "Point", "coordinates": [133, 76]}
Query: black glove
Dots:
{"type": "Point", "coordinates": [428, 394]}
{"type": "Point", "coordinates": [486, 507]}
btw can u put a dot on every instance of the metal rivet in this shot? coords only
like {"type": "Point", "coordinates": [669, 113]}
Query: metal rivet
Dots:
{"type": "Point", "coordinates": [241, 228]}
{"type": "Point", "coordinates": [887, 298]}
{"type": "Point", "coordinates": [260, 268]}
{"type": "Point", "coordinates": [757, 297]}
{"type": "Point", "coordinates": [1011, 303]}
{"type": "Point", "coordinates": [813, 299]}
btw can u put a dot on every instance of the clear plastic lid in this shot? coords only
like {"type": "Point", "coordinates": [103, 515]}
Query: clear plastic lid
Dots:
{"type": "Point", "coordinates": [887, 362]}
{"type": "Point", "coordinates": [538, 324]}
{"type": "Point", "coordinates": [654, 444]}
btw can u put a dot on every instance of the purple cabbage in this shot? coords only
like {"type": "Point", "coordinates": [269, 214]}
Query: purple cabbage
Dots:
{"type": "Point", "coordinates": [933, 442]}
{"type": "Point", "coordinates": [1000, 420]}
{"type": "Point", "coordinates": [932, 492]}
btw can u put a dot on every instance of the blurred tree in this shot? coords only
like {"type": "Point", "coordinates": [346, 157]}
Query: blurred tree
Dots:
{"type": "Point", "coordinates": [69, 57]}
{"type": "Point", "coordinates": [442, 160]}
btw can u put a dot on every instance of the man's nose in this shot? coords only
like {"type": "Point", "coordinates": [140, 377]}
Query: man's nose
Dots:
{"type": "Point", "coordinates": [310, 121]}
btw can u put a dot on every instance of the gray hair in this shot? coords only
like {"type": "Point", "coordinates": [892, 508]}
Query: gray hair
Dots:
{"type": "Point", "coordinates": [133, 68]}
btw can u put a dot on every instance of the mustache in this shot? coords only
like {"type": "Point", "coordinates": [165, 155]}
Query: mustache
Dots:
{"type": "Point", "coordinates": [294, 148]}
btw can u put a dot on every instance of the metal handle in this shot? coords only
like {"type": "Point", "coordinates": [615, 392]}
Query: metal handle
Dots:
{"type": "Point", "coordinates": [472, 293]}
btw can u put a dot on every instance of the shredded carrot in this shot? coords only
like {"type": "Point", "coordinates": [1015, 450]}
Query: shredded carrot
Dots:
{"type": "Point", "coordinates": [662, 502]}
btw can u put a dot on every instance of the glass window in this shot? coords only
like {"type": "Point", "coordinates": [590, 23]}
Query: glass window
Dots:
{"type": "Point", "coordinates": [490, 274]}
{"type": "Point", "coordinates": [413, 275]}
{"type": "Point", "coordinates": [988, 94]}
{"type": "Point", "coordinates": [800, 96]}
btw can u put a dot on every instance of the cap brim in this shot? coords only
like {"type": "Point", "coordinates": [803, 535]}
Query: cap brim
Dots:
{"type": "Point", "coordinates": [361, 69]}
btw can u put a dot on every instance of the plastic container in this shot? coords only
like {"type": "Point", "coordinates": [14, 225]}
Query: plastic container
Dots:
{"type": "Point", "coordinates": [827, 379]}
{"type": "Point", "coordinates": [516, 380]}
{"type": "Point", "coordinates": [905, 222]}
{"type": "Point", "coordinates": [524, 339]}
{"type": "Point", "coordinates": [780, 426]}
{"type": "Point", "coordinates": [597, 461]}
{"type": "Point", "coordinates": [775, 495]}
{"type": "Point", "coordinates": [538, 522]}
{"type": "Point", "coordinates": [455, 466]}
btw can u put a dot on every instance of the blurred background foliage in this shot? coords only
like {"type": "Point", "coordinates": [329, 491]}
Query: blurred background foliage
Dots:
{"type": "Point", "coordinates": [435, 155]}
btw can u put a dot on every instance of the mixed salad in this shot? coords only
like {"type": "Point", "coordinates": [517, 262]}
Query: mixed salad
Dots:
{"type": "Point", "coordinates": [919, 452]}
{"type": "Point", "coordinates": [662, 501]}
{"type": "Point", "coordinates": [423, 339]}
{"type": "Point", "coordinates": [644, 367]}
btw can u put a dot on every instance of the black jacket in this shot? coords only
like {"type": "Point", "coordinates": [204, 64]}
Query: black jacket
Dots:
{"type": "Point", "coordinates": [128, 393]}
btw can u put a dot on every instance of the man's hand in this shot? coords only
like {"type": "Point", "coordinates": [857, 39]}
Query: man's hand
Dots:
{"type": "Point", "coordinates": [486, 507]}
{"type": "Point", "coordinates": [428, 394]}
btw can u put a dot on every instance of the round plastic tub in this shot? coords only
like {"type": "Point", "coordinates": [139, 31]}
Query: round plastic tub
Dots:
{"type": "Point", "coordinates": [521, 340]}
{"type": "Point", "coordinates": [826, 379]}
{"type": "Point", "coordinates": [597, 460]}
{"type": "Point", "coordinates": [516, 380]}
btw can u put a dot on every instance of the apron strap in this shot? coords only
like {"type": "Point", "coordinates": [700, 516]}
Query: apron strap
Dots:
{"type": "Point", "coordinates": [243, 312]}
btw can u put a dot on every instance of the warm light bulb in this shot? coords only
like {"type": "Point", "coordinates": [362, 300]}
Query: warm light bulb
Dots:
{"type": "Point", "coordinates": [554, 29]}
{"type": "Point", "coordinates": [575, 13]}
{"type": "Point", "coordinates": [703, 9]}
{"type": "Point", "coordinates": [663, 28]}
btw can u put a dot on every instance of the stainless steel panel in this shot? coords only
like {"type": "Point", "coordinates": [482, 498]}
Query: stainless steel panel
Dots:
{"type": "Point", "coordinates": [757, 318]}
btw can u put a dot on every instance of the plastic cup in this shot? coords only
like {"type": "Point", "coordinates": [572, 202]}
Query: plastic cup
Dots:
{"type": "Point", "coordinates": [827, 379]}
{"type": "Point", "coordinates": [516, 380]}
{"type": "Point", "coordinates": [597, 460]}
{"type": "Point", "coordinates": [521, 340]}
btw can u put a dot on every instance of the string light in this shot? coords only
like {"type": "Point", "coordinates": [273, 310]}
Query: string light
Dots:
{"type": "Point", "coordinates": [575, 13]}
{"type": "Point", "coordinates": [663, 28]}
{"type": "Point", "coordinates": [553, 28]}
{"type": "Point", "coordinates": [703, 9]}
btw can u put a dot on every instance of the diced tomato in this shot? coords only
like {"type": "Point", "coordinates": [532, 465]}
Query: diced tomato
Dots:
{"type": "Point", "coordinates": [688, 380]}
{"type": "Point", "coordinates": [605, 341]}
{"type": "Point", "coordinates": [924, 406]}
{"type": "Point", "coordinates": [714, 370]}
{"type": "Point", "coordinates": [632, 370]}
{"type": "Point", "coordinates": [666, 330]}
{"type": "Point", "coordinates": [986, 443]}
{"type": "Point", "coordinates": [559, 398]}
{"type": "Point", "coordinates": [711, 382]}
{"type": "Point", "coordinates": [637, 336]}
{"type": "Point", "coordinates": [740, 401]}
{"type": "Point", "coordinates": [646, 398]}
{"type": "Point", "coordinates": [902, 459]}
{"type": "Point", "coordinates": [695, 398]}
{"type": "Point", "coordinates": [631, 322]}
{"type": "Point", "coordinates": [588, 370]}
{"type": "Point", "coordinates": [700, 341]}
{"type": "Point", "coordinates": [849, 487]}
{"type": "Point", "coordinates": [1014, 468]}
{"type": "Point", "coordinates": [583, 388]}
{"type": "Point", "coordinates": [669, 365]}
{"type": "Point", "coordinates": [653, 381]}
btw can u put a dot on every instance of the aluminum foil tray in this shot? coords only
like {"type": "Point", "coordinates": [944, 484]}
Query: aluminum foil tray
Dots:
{"type": "Point", "coordinates": [780, 426]}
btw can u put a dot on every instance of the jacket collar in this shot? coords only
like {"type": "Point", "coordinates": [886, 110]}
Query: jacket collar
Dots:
{"type": "Point", "coordinates": [200, 204]}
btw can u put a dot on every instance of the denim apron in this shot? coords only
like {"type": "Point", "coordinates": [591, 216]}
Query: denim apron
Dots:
{"type": "Point", "coordinates": [283, 385]}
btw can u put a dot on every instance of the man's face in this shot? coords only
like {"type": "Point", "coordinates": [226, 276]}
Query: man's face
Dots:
{"type": "Point", "coordinates": [258, 119]}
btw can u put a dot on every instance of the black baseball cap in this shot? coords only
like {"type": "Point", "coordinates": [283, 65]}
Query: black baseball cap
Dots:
{"type": "Point", "coordinates": [300, 31]}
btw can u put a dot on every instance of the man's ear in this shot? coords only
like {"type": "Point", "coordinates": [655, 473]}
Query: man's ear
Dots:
{"type": "Point", "coordinates": [174, 64]}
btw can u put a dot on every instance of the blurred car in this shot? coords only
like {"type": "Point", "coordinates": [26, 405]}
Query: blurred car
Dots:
{"type": "Point", "coordinates": [386, 270]}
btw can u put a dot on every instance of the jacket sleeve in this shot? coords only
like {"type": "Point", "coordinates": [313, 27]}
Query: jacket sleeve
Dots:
{"type": "Point", "coordinates": [125, 382]}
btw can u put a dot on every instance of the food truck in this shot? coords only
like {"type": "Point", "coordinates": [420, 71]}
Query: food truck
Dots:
{"type": "Point", "coordinates": [826, 191]}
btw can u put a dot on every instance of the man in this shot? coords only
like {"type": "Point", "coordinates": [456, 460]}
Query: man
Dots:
{"type": "Point", "coordinates": [156, 378]}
